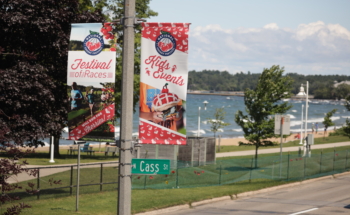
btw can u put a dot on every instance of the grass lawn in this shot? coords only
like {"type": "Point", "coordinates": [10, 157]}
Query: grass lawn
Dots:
{"type": "Point", "coordinates": [142, 200]}
{"type": "Point", "coordinates": [93, 201]}
{"type": "Point", "coordinates": [314, 152]}
{"type": "Point", "coordinates": [42, 158]}
{"type": "Point", "coordinates": [321, 140]}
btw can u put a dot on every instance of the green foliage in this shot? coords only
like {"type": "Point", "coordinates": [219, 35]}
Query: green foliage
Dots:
{"type": "Point", "coordinates": [322, 87]}
{"type": "Point", "coordinates": [346, 128]}
{"type": "Point", "coordinates": [327, 119]}
{"type": "Point", "coordinates": [262, 103]}
{"type": "Point", "coordinates": [221, 81]}
{"type": "Point", "coordinates": [347, 102]}
{"type": "Point", "coordinates": [218, 123]}
{"type": "Point", "coordinates": [33, 60]}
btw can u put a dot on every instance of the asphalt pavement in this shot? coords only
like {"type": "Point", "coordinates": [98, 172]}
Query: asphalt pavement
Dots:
{"type": "Point", "coordinates": [322, 196]}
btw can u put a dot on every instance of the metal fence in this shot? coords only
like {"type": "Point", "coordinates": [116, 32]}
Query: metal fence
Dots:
{"type": "Point", "coordinates": [104, 176]}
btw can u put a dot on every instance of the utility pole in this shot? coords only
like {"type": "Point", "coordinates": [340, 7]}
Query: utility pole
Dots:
{"type": "Point", "coordinates": [125, 152]}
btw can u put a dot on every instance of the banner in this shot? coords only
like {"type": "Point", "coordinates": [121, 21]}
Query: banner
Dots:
{"type": "Point", "coordinates": [90, 80]}
{"type": "Point", "coordinates": [163, 83]}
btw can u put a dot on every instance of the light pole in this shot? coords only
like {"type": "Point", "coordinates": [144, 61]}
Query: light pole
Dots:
{"type": "Point", "coordinates": [205, 104]}
{"type": "Point", "coordinates": [302, 93]}
{"type": "Point", "coordinates": [301, 126]}
{"type": "Point", "coordinates": [52, 139]}
{"type": "Point", "coordinates": [199, 116]}
{"type": "Point", "coordinates": [78, 174]}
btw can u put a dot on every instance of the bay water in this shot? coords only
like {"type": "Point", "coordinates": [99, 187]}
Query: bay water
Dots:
{"type": "Point", "coordinates": [231, 104]}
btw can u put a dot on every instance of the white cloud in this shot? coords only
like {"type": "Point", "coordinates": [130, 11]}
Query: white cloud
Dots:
{"type": "Point", "coordinates": [314, 48]}
{"type": "Point", "coordinates": [272, 26]}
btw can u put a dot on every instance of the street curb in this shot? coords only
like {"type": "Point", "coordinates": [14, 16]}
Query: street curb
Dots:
{"type": "Point", "coordinates": [165, 210]}
{"type": "Point", "coordinates": [238, 196]}
{"type": "Point", "coordinates": [207, 201]}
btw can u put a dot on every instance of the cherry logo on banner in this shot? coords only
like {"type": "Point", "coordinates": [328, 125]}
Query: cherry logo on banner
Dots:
{"type": "Point", "coordinates": [165, 42]}
{"type": "Point", "coordinates": [93, 43]}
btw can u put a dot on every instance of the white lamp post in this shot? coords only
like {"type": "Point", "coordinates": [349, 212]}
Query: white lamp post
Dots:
{"type": "Point", "coordinates": [301, 126]}
{"type": "Point", "coordinates": [52, 139]}
{"type": "Point", "coordinates": [302, 93]}
{"type": "Point", "coordinates": [205, 104]}
{"type": "Point", "coordinates": [199, 116]}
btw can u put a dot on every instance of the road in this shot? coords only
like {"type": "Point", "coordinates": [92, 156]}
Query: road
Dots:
{"type": "Point", "coordinates": [322, 197]}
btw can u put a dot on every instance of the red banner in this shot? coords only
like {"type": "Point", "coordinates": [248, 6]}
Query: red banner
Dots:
{"type": "Point", "coordinates": [163, 83]}
{"type": "Point", "coordinates": [92, 123]}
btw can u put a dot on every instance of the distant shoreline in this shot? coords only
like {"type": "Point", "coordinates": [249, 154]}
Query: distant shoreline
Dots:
{"type": "Point", "coordinates": [229, 93]}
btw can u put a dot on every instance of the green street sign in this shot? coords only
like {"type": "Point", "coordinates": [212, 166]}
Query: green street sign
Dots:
{"type": "Point", "coordinates": [150, 166]}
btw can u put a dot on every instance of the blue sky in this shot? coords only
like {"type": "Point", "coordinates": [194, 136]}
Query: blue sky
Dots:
{"type": "Point", "coordinates": [306, 37]}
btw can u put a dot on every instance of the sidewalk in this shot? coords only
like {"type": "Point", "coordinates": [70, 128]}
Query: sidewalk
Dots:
{"type": "Point", "coordinates": [57, 169]}
{"type": "Point", "coordinates": [277, 150]}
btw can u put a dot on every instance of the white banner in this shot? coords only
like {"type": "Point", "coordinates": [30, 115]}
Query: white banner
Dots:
{"type": "Point", "coordinates": [90, 80]}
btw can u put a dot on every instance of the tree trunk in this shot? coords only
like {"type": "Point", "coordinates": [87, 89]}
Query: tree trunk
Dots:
{"type": "Point", "coordinates": [56, 145]}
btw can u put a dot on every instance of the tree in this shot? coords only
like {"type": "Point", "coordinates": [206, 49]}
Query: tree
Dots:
{"type": "Point", "coordinates": [328, 121]}
{"type": "Point", "coordinates": [261, 104]}
{"type": "Point", "coordinates": [9, 168]}
{"type": "Point", "coordinates": [218, 123]}
{"type": "Point", "coordinates": [346, 128]}
{"type": "Point", "coordinates": [33, 64]}
{"type": "Point", "coordinates": [342, 91]}
{"type": "Point", "coordinates": [347, 102]}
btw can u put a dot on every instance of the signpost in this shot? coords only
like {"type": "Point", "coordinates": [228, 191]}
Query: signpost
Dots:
{"type": "Point", "coordinates": [150, 166]}
{"type": "Point", "coordinates": [282, 127]}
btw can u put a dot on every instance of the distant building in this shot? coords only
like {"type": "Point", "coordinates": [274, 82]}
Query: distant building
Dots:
{"type": "Point", "coordinates": [336, 84]}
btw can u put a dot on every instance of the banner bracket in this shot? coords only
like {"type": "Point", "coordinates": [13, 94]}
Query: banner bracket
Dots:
{"type": "Point", "coordinates": [136, 21]}
{"type": "Point", "coordinates": [125, 176]}
{"type": "Point", "coordinates": [131, 149]}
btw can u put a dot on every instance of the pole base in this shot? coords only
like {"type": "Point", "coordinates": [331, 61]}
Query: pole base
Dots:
{"type": "Point", "coordinates": [52, 161]}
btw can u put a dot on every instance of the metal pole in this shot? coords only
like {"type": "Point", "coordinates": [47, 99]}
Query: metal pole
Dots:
{"type": "Point", "coordinates": [124, 182]}
{"type": "Point", "coordinates": [321, 162]}
{"type": "Point", "coordinates": [282, 119]}
{"type": "Point", "coordinates": [177, 175]}
{"type": "Point", "coordinates": [199, 120]}
{"type": "Point", "coordinates": [220, 176]}
{"type": "Point", "coordinates": [101, 177]}
{"type": "Point", "coordinates": [251, 169]}
{"type": "Point", "coordinates": [288, 167]}
{"type": "Point", "coordinates": [346, 160]}
{"type": "Point", "coordinates": [306, 113]}
{"type": "Point", "coordinates": [38, 184]}
{"type": "Point", "coordinates": [333, 158]}
{"type": "Point", "coordinates": [51, 151]}
{"type": "Point", "coordinates": [301, 127]}
{"type": "Point", "coordinates": [304, 167]}
{"type": "Point", "coordinates": [78, 178]}
{"type": "Point", "coordinates": [71, 181]}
